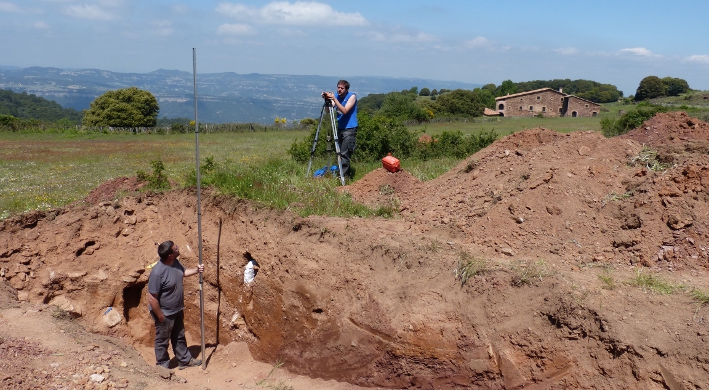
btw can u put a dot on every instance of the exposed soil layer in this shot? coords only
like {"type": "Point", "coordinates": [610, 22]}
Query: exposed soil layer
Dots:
{"type": "Point", "coordinates": [555, 223]}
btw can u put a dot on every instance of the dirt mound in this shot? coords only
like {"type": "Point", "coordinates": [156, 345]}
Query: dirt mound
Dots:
{"type": "Point", "coordinates": [383, 188]}
{"type": "Point", "coordinates": [669, 128]}
{"type": "Point", "coordinates": [113, 189]}
{"type": "Point", "coordinates": [555, 223]}
{"type": "Point", "coordinates": [675, 137]}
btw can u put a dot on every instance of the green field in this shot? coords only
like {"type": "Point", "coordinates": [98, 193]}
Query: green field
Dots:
{"type": "Point", "coordinates": [44, 171]}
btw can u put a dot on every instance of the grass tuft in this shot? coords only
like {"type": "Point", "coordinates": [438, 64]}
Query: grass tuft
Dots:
{"type": "Point", "coordinates": [608, 281]}
{"type": "Point", "coordinates": [279, 386]}
{"type": "Point", "coordinates": [469, 266]}
{"type": "Point", "coordinates": [529, 273]}
{"type": "Point", "coordinates": [700, 296]}
{"type": "Point", "coordinates": [651, 283]}
{"type": "Point", "coordinates": [648, 158]}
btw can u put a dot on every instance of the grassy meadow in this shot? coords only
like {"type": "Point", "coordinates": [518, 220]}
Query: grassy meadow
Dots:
{"type": "Point", "coordinates": [44, 171]}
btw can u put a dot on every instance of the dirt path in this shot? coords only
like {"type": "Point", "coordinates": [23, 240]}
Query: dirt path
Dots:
{"type": "Point", "coordinates": [558, 226]}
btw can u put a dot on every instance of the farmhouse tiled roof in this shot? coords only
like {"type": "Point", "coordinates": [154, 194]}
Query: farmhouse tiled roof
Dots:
{"type": "Point", "coordinates": [489, 112]}
{"type": "Point", "coordinates": [529, 93]}
{"type": "Point", "coordinates": [585, 100]}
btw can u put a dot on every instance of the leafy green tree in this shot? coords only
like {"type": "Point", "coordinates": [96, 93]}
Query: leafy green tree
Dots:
{"type": "Point", "coordinates": [650, 87]}
{"type": "Point", "coordinates": [371, 103]}
{"type": "Point", "coordinates": [425, 92]}
{"type": "Point", "coordinates": [464, 102]}
{"type": "Point", "coordinates": [675, 86]}
{"type": "Point", "coordinates": [128, 107]}
{"type": "Point", "coordinates": [403, 107]}
{"type": "Point", "coordinates": [490, 87]}
{"type": "Point", "coordinates": [434, 92]}
{"type": "Point", "coordinates": [507, 87]}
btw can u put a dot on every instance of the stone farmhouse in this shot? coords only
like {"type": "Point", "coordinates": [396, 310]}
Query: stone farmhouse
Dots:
{"type": "Point", "coordinates": [545, 101]}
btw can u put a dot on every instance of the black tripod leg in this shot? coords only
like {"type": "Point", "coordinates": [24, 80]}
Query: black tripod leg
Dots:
{"type": "Point", "coordinates": [315, 141]}
{"type": "Point", "coordinates": [333, 121]}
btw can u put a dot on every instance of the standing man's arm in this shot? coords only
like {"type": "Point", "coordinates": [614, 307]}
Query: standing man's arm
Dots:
{"type": "Point", "coordinates": [348, 104]}
{"type": "Point", "coordinates": [194, 271]}
{"type": "Point", "coordinates": [155, 305]}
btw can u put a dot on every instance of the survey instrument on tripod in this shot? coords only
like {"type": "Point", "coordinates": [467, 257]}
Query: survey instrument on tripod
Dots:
{"type": "Point", "coordinates": [327, 107]}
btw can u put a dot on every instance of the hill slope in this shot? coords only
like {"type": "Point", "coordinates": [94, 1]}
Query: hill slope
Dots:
{"type": "Point", "coordinates": [223, 97]}
{"type": "Point", "coordinates": [27, 106]}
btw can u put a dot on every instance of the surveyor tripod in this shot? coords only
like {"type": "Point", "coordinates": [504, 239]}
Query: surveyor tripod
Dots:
{"type": "Point", "coordinates": [327, 106]}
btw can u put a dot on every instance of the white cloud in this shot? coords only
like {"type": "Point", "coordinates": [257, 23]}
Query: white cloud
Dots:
{"type": "Point", "coordinates": [163, 27]}
{"type": "Point", "coordinates": [6, 6]}
{"type": "Point", "coordinates": [567, 51]}
{"type": "Point", "coordinates": [235, 29]}
{"type": "Point", "coordinates": [111, 3]}
{"type": "Point", "coordinates": [477, 42]}
{"type": "Point", "coordinates": [41, 25]}
{"type": "Point", "coordinates": [700, 58]}
{"type": "Point", "coordinates": [299, 13]}
{"type": "Point", "coordinates": [639, 51]}
{"type": "Point", "coordinates": [180, 9]}
{"type": "Point", "coordinates": [415, 37]}
{"type": "Point", "coordinates": [89, 11]}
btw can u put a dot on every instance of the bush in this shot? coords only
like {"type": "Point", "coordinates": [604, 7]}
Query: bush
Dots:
{"type": "Point", "coordinates": [157, 180]}
{"type": "Point", "coordinates": [630, 120]}
{"type": "Point", "coordinates": [379, 135]}
{"type": "Point", "coordinates": [455, 144]}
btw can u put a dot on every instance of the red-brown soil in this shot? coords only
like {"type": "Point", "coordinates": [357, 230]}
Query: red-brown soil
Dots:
{"type": "Point", "coordinates": [350, 303]}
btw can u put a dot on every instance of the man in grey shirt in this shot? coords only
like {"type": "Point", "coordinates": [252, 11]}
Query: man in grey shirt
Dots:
{"type": "Point", "coordinates": [166, 299]}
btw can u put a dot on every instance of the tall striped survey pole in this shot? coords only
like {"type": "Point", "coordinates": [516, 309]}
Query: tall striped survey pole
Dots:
{"type": "Point", "coordinates": [199, 204]}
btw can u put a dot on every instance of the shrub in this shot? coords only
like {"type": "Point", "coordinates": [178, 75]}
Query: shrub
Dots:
{"type": "Point", "coordinates": [157, 180]}
{"type": "Point", "coordinates": [630, 120]}
{"type": "Point", "coordinates": [379, 135]}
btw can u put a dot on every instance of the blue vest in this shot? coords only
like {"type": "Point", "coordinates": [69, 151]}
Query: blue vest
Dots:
{"type": "Point", "coordinates": [349, 120]}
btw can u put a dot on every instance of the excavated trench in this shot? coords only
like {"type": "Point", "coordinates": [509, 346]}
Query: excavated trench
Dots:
{"type": "Point", "coordinates": [377, 302]}
{"type": "Point", "coordinates": [329, 301]}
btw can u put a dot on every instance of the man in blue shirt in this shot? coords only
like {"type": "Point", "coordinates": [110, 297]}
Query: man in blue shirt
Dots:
{"type": "Point", "coordinates": [346, 104]}
{"type": "Point", "coordinates": [167, 303]}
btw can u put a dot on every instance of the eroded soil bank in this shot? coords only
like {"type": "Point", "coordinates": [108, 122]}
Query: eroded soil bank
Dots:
{"type": "Point", "coordinates": [377, 303]}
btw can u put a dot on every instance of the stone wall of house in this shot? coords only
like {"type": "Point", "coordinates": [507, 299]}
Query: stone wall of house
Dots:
{"type": "Point", "coordinates": [549, 103]}
{"type": "Point", "coordinates": [582, 107]}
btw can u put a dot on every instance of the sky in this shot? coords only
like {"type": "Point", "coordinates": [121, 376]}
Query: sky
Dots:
{"type": "Point", "coordinates": [612, 42]}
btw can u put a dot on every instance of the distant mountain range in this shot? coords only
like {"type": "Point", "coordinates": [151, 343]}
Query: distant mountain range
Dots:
{"type": "Point", "coordinates": [222, 97]}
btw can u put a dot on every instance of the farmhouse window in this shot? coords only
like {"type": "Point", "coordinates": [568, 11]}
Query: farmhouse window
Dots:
{"type": "Point", "coordinates": [531, 108]}
{"type": "Point", "coordinates": [587, 106]}
{"type": "Point", "coordinates": [520, 108]}
{"type": "Point", "coordinates": [539, 97]}
{"type": "Point", "coordinates": [559, 110]}
{"type": "Point", "coordinates": [501, 107]}
{"type": "Point", "coordinates": [544, 109]}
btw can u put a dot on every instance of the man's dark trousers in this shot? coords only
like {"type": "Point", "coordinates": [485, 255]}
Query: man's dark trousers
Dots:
{"type": "Point", "coordinates": [347, 140]}
{"type": "Point", "coordinates": [172, 330]}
